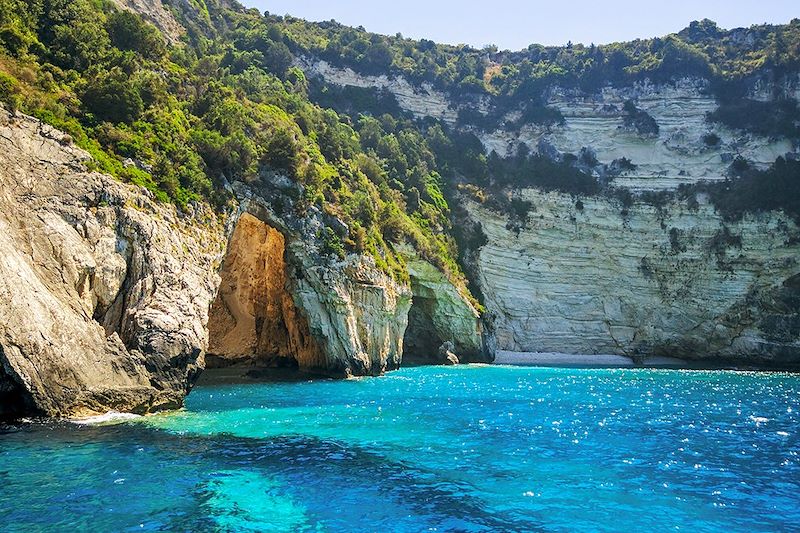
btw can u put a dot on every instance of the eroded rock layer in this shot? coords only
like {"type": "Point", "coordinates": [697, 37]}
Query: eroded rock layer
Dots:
{"type": "Point", "coordinates": [677, 281]}
{"type": "Point", "coordinates": [254, 319]}
{"type": "Point", "coordinates": [155, 12]}
{"type": "Point", "coordinates": [355, 314]}
{"type": "Point", "coordinates": [104, 294]}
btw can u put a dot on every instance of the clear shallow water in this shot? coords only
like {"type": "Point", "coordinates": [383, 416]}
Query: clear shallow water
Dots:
{"type": "Point", "coordinates": [465, 448]}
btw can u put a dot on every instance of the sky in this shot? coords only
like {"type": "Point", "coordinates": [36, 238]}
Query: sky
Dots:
{"type": "Point", "coordinates": [514, 24]}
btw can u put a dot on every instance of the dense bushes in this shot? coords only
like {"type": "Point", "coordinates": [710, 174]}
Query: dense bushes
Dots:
{"type": "Point", "coordinates": [128, 32]}
{"type": "Point", "coordinates": [112, 97]}
{"type": "Point", "coordinates": [777, 118]}
{"type": "Point", "coordinates": [227, 105]}
{"type": "Point", "coordinates": [354, 101]}
{"type": "Point", "coordinates": [538, 171]}
{"type": "Point", "coordinates": [759, 191]}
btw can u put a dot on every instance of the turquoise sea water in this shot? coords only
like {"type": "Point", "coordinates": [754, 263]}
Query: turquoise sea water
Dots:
{"type": "Point", "coordinates": [441, 449]}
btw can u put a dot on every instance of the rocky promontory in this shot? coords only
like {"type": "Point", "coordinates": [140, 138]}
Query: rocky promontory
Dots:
{"type": "Point", "coordinates": [109, 298]}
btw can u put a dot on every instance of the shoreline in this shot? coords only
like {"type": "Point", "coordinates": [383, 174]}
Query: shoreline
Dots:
{"type": "Point", "coordinates": [555, 359]}
{"type": "Point", "coordinates": [564, 360]}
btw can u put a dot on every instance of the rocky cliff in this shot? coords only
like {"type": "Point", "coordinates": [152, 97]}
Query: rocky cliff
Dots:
{"type": "Point", "coordinates": [111, 300]}
{"type": "Point", "coordinates": [294, 304]}
{"type": "Point", "coordinates": [592, 275]}
{"type": "Point", "coordinates": [440, 314]}
{"type": "Point", "coordinates": [586, 277]}
{"type": "Point", "coordinates": [108, 299]}
{"type": "Point", "coordinates": [104, 293]}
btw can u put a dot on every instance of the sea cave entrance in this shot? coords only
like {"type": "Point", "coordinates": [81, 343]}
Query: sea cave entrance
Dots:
{"type": "Point", "coordinates": [253, 321]}
{"type": "Point", "coordinates": [443, 327]}
{"type": "Point", "coordinates": [421, 341]}
{"type": "Point", "coordinates": [15, 401]}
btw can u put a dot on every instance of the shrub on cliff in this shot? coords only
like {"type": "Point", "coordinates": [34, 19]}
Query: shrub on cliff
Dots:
{"type": "Point", "coordinates": [760, 191]}
{"type": "Point", "coordinates": [112, 97]}
{"type": "Point", "coordinates": [753, 191]}
{"type": "Point", "coordinates": [780, 118]}
{"type": "Point", "coordinates": [129, 32]}
{"type": "Point", "coordinates": [540, 172]}
{"type": "Point", "coordinates": [639, 120]}
{"type": "Point", "coordinates": [9, 91]}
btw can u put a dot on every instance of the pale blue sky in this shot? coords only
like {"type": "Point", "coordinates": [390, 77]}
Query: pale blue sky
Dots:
{"type": "Point", "coordinates": [514, 24]}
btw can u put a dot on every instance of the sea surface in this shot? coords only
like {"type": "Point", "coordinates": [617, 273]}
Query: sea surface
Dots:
{"type": "Point", "coordinates": [472, 448]}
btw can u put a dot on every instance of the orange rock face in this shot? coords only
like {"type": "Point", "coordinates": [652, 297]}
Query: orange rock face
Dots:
{"type": "Point", "coordinates": [254, 319]}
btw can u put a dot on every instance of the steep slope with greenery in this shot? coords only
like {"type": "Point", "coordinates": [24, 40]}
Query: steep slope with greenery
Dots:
{"type": "Point", "coordinates": [227, 104]}
{"type": "Point", "coordinates": [184, 121]}
{"type": "Point", "coordinates": [732, 60]}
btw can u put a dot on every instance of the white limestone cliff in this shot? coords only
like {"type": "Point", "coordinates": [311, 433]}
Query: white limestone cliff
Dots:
{"type": "Point", "coordinates": [675, 281]}
{"type": "Point", "coordinates": [676, 155]}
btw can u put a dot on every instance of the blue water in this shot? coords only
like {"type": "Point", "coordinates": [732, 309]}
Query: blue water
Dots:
{"type": "Point", "coordinates": [440, 449]}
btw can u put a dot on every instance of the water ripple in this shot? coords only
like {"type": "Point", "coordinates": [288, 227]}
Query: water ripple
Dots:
{"type": "Point", "coordinates": [448, 449]}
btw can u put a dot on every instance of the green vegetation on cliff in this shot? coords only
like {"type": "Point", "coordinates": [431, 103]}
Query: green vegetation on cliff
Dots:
{"type": "Point", "coordinates": [754, 191]}
{"type": "Point", "coordinates": [227, 104]}
{"type": "Point", "coordinates": [730, 59]}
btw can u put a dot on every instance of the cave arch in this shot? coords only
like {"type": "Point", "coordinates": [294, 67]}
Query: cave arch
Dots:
{"type": "Point", "coordinates": [253, 321]}
{"type": "Point", "coordinates": [15, 400]}
{"type": "Point", "coordinates": [439, 313]}
{"type": "Point", "coordinates": [421, 340]}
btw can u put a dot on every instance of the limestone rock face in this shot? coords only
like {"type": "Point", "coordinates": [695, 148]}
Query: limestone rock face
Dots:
{"type": "Point", "coordinates": [359, 312]}
{"type": "Point", "coordinates": [104, 294]}
{"type": "Point", "coordinates": [336, 316]}
{"type": "Point", "coordinates": [678, 281]}
{"type": "Point", "coordinates": [440, 314]}
{"type": "Point", "coordinates": [676, 154]}
{"type": "Point", "coordinates": [254, 319]}
{"type": "Point", "coordinates": [419, 100]}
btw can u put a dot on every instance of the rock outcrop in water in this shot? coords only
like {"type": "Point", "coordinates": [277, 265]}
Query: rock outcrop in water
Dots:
{"type": "Point", "coordinates": [294, 304]}
{"type": "Point", "coordinates": [105, 294]}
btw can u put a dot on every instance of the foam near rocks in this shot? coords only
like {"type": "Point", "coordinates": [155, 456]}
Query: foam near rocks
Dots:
{"type": "Point", "coordinates": [112, 417]}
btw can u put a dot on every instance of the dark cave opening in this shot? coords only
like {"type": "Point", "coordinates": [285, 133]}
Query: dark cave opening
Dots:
{"type": "Point", "coordinates": [421, 341]}
{"type": "Point", "coordinates": [15, 401]}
